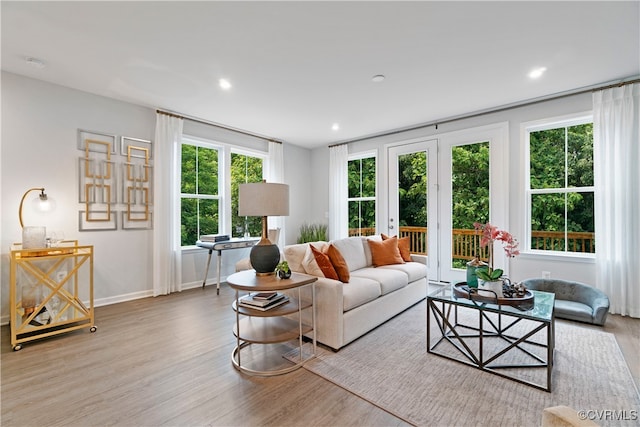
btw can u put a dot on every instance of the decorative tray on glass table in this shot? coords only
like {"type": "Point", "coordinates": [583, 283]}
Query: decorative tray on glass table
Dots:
{"type": "Point", "coordinates": [461, 290]}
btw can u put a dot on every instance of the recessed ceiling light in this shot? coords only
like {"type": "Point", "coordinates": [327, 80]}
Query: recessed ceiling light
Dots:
{"type": "Point", "coordinates": [224, 84]}
{"type": "Point", "coordinates": [34, 62]}
{"type": "Point", "coordinates": [335, 127]}
{"type": "Point", "coordinates": [378, 78]}
{"type": "Point", "coordinates": [537, 72]}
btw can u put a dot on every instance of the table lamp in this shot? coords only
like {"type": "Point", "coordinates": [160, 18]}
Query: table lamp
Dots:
{"type": "Point", "coordinates": [264, 199]}
{"type": "Point", "coordinates": [34, 237]}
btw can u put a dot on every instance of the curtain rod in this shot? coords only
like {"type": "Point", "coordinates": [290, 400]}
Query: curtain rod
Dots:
{"type": "Point", "coordinates": [229, 128]}
{"type": "Point", "coordinates": [494, 110]}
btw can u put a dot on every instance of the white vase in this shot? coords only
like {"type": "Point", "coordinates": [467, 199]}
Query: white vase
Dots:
{"type": "Point", "coordinates": [494, 285]}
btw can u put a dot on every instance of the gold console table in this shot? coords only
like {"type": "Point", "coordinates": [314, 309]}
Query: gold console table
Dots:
{"type": "Point", "coordinates": [47, 288]}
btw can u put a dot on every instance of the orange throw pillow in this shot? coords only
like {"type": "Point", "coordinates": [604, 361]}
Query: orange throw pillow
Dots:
{"type": "Point", "coordinates": [339, 264]}
{"type": "Point", "coordinates": [324, 263]}
{"type": "Point", "coordinates": [404, 245]}
{"type": "Point", "coordinates": [385, 252]}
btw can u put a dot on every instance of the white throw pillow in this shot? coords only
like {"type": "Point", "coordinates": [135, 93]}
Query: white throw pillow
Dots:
{"type": "Point", "coordinates": [352, 250]}
{"type": "Point", "coordinates": [294, 254]}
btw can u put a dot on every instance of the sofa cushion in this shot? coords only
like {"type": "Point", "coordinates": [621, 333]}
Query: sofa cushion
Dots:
{"type": "Point", "coordinates": [414, 270]}
{"type": "Point", "coordinates": [318, 264]}
{"type": "Point", "coordinates": [359, 291]}
{"type": "Point", "coordinates": [572, 310]}
{"type": "Point", "coordinates": [390, 280]}
{"type": "Point", "coordinates": [404, 246]}
{"type": "Point", "coordinates": [339, 263]}
{"type": "Point", "coordinates": [294, 254]}
{"type": "Point", "coordinates": [352, 251]}
{"type": "Point", "coordinates": [385, 252]}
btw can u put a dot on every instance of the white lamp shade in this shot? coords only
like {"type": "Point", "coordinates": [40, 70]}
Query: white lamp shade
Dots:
{"type": "Point", "coordinates": [263, 199]}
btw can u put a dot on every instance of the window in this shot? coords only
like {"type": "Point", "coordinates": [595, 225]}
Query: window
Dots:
{"type": "Point", "coordinates": [200, 192]}
{"type": "Point", "coordinates": [470, 188]}
{"type": "Point", "coordinates": [560, 190]}
{"type": "Point", "coordinates": [362, 195]}
{"type": "Point", "coordinates": [209, 171]}
{"type": "Point", "coordinates": [244, 168]}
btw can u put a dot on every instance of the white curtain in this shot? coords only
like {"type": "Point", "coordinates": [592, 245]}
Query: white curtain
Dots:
{"type": "Point", "coordinates": [167, 257]}
{"type": "Point", "coordinates": [338, 192]}
{"type": "Point", "coordinates": [275, 173]}
{"type": "Point", "coordinates": [616, 124]}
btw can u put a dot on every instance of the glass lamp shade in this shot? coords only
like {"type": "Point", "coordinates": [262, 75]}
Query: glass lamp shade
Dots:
{"type": "Point", "coordinates": [43, 204]}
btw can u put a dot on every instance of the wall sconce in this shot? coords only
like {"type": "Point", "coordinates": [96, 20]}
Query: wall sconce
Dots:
{"type": "Point", "coordinates": [264, 199]}
{"type": "Point", "coordinates": [35, 236]}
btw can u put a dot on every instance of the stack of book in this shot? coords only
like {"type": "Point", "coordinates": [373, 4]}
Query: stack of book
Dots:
{"type": "Point", "coordinates": [212, 238]}
{"type": "Point", "coordinates": [263, 301]}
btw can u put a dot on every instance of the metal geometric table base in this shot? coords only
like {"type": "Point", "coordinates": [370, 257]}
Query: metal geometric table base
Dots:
{"type": "Point", "coordinates": [468, 343]}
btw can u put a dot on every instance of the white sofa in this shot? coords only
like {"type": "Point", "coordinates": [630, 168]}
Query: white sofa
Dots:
{"type": "Point", "coordinates": [373, 295]}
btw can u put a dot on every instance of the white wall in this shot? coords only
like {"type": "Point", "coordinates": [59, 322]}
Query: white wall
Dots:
{"type": "Point", "coordinates": [39, 149]}
{"type": "Point", "coordinates": [39, 134]}
{"type": "Point", "coordinates": [523, 266]}
{"type": "Point", "coordinates": [298, 163]}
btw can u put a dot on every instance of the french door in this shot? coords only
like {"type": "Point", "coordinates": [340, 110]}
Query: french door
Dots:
{"type": "Point", "coordinates": [439, 187]}
{"type": "Point", "coordinates": [413, 201]}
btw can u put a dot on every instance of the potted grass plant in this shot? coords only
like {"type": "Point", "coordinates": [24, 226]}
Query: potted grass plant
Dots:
{"type": "Point", "coordinates": [312, 233]}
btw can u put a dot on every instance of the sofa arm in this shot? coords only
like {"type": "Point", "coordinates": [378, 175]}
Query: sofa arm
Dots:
{"type": "Point", "coordinates": [422, 259]}
{"type": "Point", "coordinates": [329, 312]}
{"type": "Point", "coordinates": [329, 303]}
{"type": "Point", "coordinates": [600, 307]}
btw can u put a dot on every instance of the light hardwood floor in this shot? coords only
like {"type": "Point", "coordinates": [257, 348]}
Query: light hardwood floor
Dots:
{"type": "Point", "coordinates": [166, 361]}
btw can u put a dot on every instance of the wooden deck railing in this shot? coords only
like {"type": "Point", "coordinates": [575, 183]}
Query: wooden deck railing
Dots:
{"type": "Point", "coordinates": [576, 241]}
{"type": "Point", "coordinates": [463, 241]}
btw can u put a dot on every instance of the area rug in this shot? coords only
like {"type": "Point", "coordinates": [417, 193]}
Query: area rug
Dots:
{"type": "Point", "coordinates": [391, 368]}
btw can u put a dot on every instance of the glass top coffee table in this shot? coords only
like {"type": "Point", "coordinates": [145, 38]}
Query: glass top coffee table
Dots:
{"type": "Point", "coordinates": [514, 342]}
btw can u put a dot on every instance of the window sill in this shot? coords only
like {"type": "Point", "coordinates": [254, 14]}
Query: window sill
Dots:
{"type": "Point", "coordinates": [562, 257]}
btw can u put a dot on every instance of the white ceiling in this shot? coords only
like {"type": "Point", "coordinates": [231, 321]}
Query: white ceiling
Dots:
{"type": "Point", "coordinates": [298, 67]}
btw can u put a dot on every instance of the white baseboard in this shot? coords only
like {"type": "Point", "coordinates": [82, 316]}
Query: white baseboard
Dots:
{"type": "Point", "coordinates": [4, 320]}
{"type": "Point", "coordinates": [122, 298]}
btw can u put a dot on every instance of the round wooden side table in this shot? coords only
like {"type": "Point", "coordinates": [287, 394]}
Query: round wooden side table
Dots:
{"type": "Point", "coordinates": [287, 322]}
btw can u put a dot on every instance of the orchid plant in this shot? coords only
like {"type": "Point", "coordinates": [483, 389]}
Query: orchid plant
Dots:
{"type": "Point", "coordinates": [491, 234]}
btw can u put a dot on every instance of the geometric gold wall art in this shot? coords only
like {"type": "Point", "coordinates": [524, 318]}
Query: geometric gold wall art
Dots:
{"type": "Point", "coordinates": [98, 225]}
{"type": "Point", "coordinates": [100, 169]}
{"type": "Point", "coordinates": [137, 191]}
{"type": "Point", "coordinates": [97, 180]}
{"type": "Point", "coordinates": [129, 222]}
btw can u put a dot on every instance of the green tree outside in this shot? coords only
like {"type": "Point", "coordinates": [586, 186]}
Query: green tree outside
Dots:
{"type": "Point", "coordinates": [200, 204]}
{"type": "Point", "coordinates": [244, 169]}
{"type": "Point", "coordinates": [362, 193]}
{"type": "Point", "coordinates": [199, 185]}
{"type": "Point", "coordinates": [561, 159]}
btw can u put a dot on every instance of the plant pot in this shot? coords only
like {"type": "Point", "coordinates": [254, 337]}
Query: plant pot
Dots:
{"type": "Point", "coordinates": [284, 274]}
{"type": "Point", "coordinates": [494, 286]}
